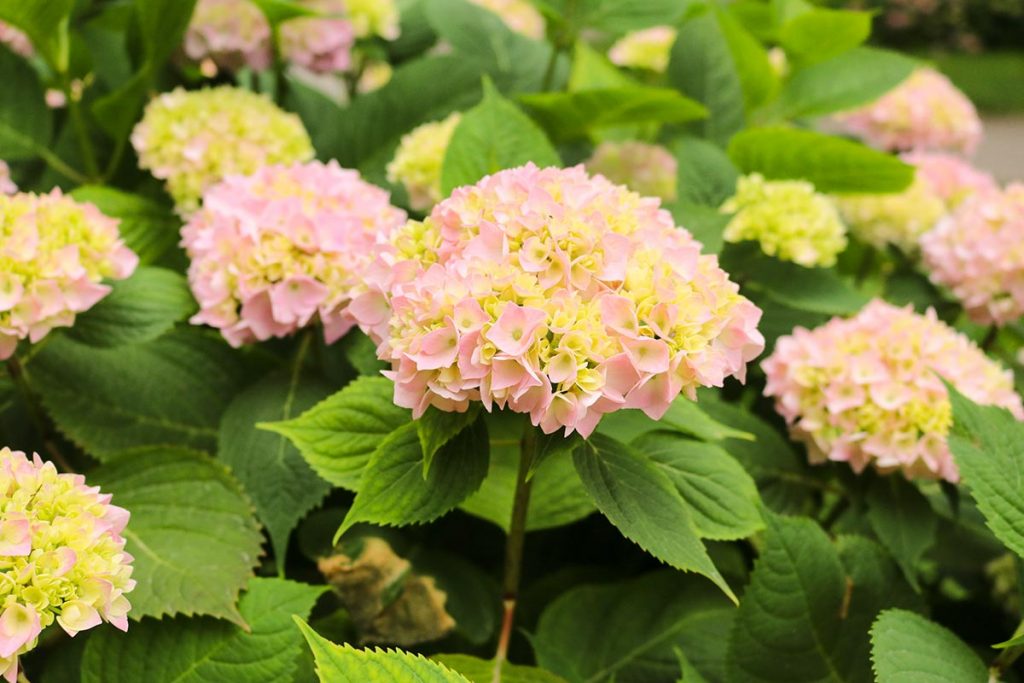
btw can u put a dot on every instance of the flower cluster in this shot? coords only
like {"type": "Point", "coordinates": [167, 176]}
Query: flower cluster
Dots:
{"type": "Point", "coordinates": [7, 185]}
{"type": "Point", "coordinates": [868, 390]}
{"type": "Point", "coordinates": [788, 218]}
{"type": "Point", "coordinates": [62, 556]}
{"type": "Point", "coordinates": [647, 169]}
{"type": "Point", "coordinates": [925, 112]}
{"type": "Point", "coordinates": [897, 218]}
{"type": "Point", "coordinates": [17, 41]}
{"type": "Point", "coordinates": [419, 159]}
{"type": "Point", "coordinates": [54, 253]}
{"type": "Point", "coordinates": [951, 178]}
{"type": "Point", "coordinates": [555, 294]}
{"type": "Point", "coordinates": [194, 139]}
{"type": "Point", "coordinates": [519, 15]}
{"type": "Point", "coordinates": [978, 252]}
{"type": "Point", "coordinates": [319, 44]}
{"type": "Point", "coordinates": [273, 250]}
{"type": "Point", "coordinates": [648, 48]}
{"type": "Point", "coordinates": [374, 18]}
{"type": "Point", "coordinates": [230, 33]}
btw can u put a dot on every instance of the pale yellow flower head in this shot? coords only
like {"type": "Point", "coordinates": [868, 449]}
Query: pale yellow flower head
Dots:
{"type": "Point", "coordinates": [419, 159]}
{"type": "Point", "coordinates": [646, 49]}
{"type": "Point", "coordinates": [374, 18]}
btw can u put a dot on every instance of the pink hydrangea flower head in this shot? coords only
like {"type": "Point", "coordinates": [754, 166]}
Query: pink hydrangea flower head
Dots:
{"type": "Point", "coordinates": [374, 18]}
{"type": "Point", "coordinates": [519, 15]}
{"type": "Point", "coordinates": [647, 48]}
{"type": "Point", "coordinates": [7, 185]}
{"type": "Point", "coordinates": [54, 254]}
{"type": "Point", "coordinates": [897, 218]}
{"type": "Point", "coordinates": [952, 178]}
{"type": "Point", "coordinates": [194, 139]}
{"type": "Point", "coordinates": [557, 294]}
{"type": "Point", "coordinates": [924, 112]}
{"type": "Point", "coordinates": [319, 44]}
{"type": "Point", "coordinates": [419, 159]}
{"type": "Point", "coordinates": [273, 251]}
{"type": "Point", "coordinates": [62, 556]}
{"type": "Point", "coordinates": [16, 40]}
{"type": "Point", "coordinates": [978, 252]}
{"type": "Point", "coordinates": [231, 33]}
{"type": "Point", "coordinates": [868, 390]}
{"type": "Point", "coordinates": [647, 169]}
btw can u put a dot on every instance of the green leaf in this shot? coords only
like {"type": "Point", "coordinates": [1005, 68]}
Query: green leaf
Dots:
{"type": "Point", "coordinates": [705, 174]}
{"type": "Point", "coordinates": [26, 123]}
{"type": "Point", "coordinates": [573, 115]}
{"type": "Point", "coordinates": [206, 650]}
{"type": "Point", "coordinates": [722, 497]}
{"type": "Point", "coordinates": [986, 444]}
{"type": "Point", "coordinates": [277, 11]}
{"type": "Point", "coordinates": [283, 487]}
{"type": "Point", "coordinates": [437, 427]}
{"type": "Point", "coordinates": [629, 630]}
{"type": "Point", "coordinates": [684, 416]}
{"type": "Point", "coordinates": [46, 24]}
{"type": "Point", "coordinates": [689, 672]}
{"type": "Point", "coordinates": [338, 435]}
{"type": "Point", "coordinates": [705, 223]}
{"type": "Point", "coordinates": [137, 310]}
{"type": "Point", "coordinates": [903, 521]}
{"type": "Point", "coordinates": [192, 532]}
{"type": "Point", "coordinates": [591, 71]}
{"type": "Point", "coordinates": [346, 664]}
{"type": "Point", "coordinates": [831, 163]}
{"type": "Point", "coordinates": [641, 501]}
{"type": "Point", "coordinates": [393, 490]}
{"type": "Point", "coordinates": [907, 648]}
{"type": "Point", "coordinates": [149, 229]}
{"type": "Point", "coordinates": [492, 136]}
{"type": "Point", "coordinates": [821, 33]}
{"type": "Point", "coordinates": [757, 77]}
{"type": "Point", "coordinates": [621, 16]}
{"type": "Point", "coordinates": [169, 391]}
{"type": "Point", "coordinates": [482, 671]}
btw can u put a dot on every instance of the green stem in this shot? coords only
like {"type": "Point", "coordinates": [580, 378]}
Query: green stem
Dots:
{"type": "Point", "coordinates": [1006, 658]}
{"type": "Point", "coordinates": [549, 72]}
{"type": "Point", "coordinates": [990, 338]}
{"type": "Point", "coordinates": [58, 165]}
{"type": "Point", "coordinates": [17, 374]}
{"type": "Point", "coordinates": [92, 168]}
{"type": "Point", "coordinates": [866, 264]}
{"type": "Point", "coordinates": [514, 547]}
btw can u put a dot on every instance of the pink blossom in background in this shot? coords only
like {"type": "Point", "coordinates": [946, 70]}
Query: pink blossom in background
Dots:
{"type": "Point", "coordinates": [953, 179]}
{"type": "Point", "coordinates": [7, 185]}
{"type": "Point", "coordinates": [319, 44]}
{"type": "Point", "coordinates": [868, 390]}
{"type": "Point", "coordinates": [16, 40]}
{"type": "Point", "coordinates": [232, 33]}
{"type": "Point", "coordinates": [286, 246]}
{"type": "Point", "coordinates": [642, 167]}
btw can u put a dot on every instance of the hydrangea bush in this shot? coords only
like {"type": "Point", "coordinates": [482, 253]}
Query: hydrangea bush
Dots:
{"type": "Point", "coordinates": [459, 341]}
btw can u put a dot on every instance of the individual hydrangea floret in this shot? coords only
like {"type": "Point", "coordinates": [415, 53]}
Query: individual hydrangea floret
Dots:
{"type": "Point", "coordinates": [647, 169]}
{"type": "Point", "coordinates": [319, 44]}
{"type": "Point", "coordinates": [16, 40]}
{"type": "Point", "coordinates": [231, 34]}
{"type": "Point", "coordinates": [553, 293]}
{"type": "Point", "coordinates": [54, 254]}
{"type": "Point", "coordinates": [519, 15]}
{"type": "Point", "coordinates": [194, 139]}
{"type": "Point", "coordinates": [787, 218]}
{"type": "Point", "coordinates": [868, 390]}
{"type": "Point", "coordinates": [273, 251]}
{"type": "Point", "coordinates": [897, 218]}
{"type": "Point", "coordinates": [924, 112]}
{"type": "Point", "coordinates": [978, 252]}
{"type": "Point", "coordinates": [648, 49]}
{"type": "Point", "coordinates": [419, 159]}
{"type": "Point", "coordinates": [62, 556]}
{"type": "Point", "coordinates": [7, 185]}
{"type": "Point", "coordinates": [952, 178]}
{"type": "Point", "coordinates": [374, 18]}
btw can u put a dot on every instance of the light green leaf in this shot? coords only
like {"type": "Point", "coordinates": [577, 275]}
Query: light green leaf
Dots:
{"type": "Point", "coordinates": [482, 671]}
{"type": "Point", "coordinates": [705, 175]}
{"type": "Point", "coordinates": [907, 648]}
{"type": "Point", "coordinates": [436, 427]}
{"type": "Point", "coordinates": [26, 123]}
{"type": "Point", "coordinates": [832, 164]}
{"type": "Point", "coordinates": [903, 521]}
{"type": "Point", "coordinates": [641, 501]}
{"type": "Point", "coordinates": [192, 532]}
{"type": "Point", "coordinates": [591, 70]}
{"type": "Point", "coordinates": [338, 435]}
{"type": "Point", "coordinates": [757, 77]}
{"type": "Point", "coordinates": [492, 136]}
{"type": "Point", "coordinates": [277, 11]}
{"type": "Point", "coordinates": [149, 229]}
{"type": "Point", "coordinates": [821, 33]}
{"type": "Point", "coordinates": [137, 310]}
{"type": "Point", "coordinates": [169, 391]}
{"type": "Point", "coordinates": [690, 674]}
{"type": "Point", "coordinates": [684, 416]}
{"type": "Point", "coordinates": [206, 650]}
{"type": "Point", "coordinates": [621, 16]}
{"type": "Point", "coordinates": [46, 24]}
{"type": "Point", "coordinates": [346, 664]}
{"type": "Point", "coordinates": [283, 487]}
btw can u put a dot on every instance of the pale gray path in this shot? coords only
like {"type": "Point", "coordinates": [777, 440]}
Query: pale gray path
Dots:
{"type": "Point", "coordinates": [1002, 149]}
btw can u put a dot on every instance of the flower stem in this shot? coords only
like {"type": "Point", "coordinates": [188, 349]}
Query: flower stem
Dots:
{"type": "Point", "coordinates": [17, 374]}
{"type": "Point", "coordinates": [514, 547]}
{"type": "Point", "coordinates": [92, 168]}
{"type": "Point", "coordinates": [1006, 658]}
{"type": "Point", "coordinates": [549, 72]}
{"type": "Point", "coordinates": [990, 338]}
{"type": "Point", "coordinates": [59, 165]}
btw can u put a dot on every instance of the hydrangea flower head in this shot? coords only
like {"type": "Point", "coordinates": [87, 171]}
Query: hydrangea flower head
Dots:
{"type": "Point", "coordinates": [194, 139]}
{"type": "Point", "coordinates": [553, 293]}
{"type": "Point", "coordinates": [924, 112]}
{"type": "Point", "coordinates": [647, 169]}
{"type": "Point", "coordinates": [62, 556]}
{"type": "Point", "coordinates": [272, 251]}
{"type": "Point", "coordinates": [868, 390]}
{"type": "Point", "coordinates": [898, 218]}
{"type": "Point", "coordinates": [953, 179]}
{"type": "Point", "coordinates": [231, 33]}
{"type": "Point", "coordinates": [7, 185]}
{"type": "Point", "coordinates": [519, 15]}
{"type": "Point", "coordinates": [374, 18]}
{"type": "Point", "coordinates": [978, 252]}
{"type": "Point", "coordinates": [319, 44]}
{"type": "Point", "coordinates": [788, 218]}
{"type": "Point", "coordinates": [16, 40]}
{"type": "Point", "coordinates": [54, 254]}
{"type": "Point", "coordinates": [647, 48]}
{"type": "Point", "coordinates": [419, 159]}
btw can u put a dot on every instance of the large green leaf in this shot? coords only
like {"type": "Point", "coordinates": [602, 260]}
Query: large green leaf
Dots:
{"type": "Point", "coordinates": [705, 173]}
{"type": "Point", "coordinates": [621, 16]}
{"type": "Point", "coordinates": [282, 485]}
{"type": "Point", "coordinates": [137, 310]}
{"type": "Point", "coordinates": [641, 501]}
{"type": "Point", "coordinates": [482, 671]}
{"type": "Point", "coordinates": [903, 521]}
{"type": "Point", "coordinates": [149, 229]}
{"type": "Point", "coordinates": [907, 648]}
{"type": "Point", "coordinates": [626, 631]}
{"type": "Point", "coordinates": [191, 531]}
{"type": "Point", "coordinates": [492, 136]}
{"type": "Point", "coordinates": [684, 416]}
{"type": "Point", "coordinates": [436, 427]}
{"type": "Point", "coordinates": [26, 122]}
{"type": "Point", "coordinates": [821, 33]}
{"type": "Point", "coordinates": [46, 24]}
{"type": "Point", "coordinates": [346, 664]}
{"type": "Point", "coordinates": [206, 650]}
{"type": "Point", "coordinates": [169, 391]}
{"type": "Point", "coordinates": [831, 163]}
{"type": "Point", "coordinates": [338, 435]}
